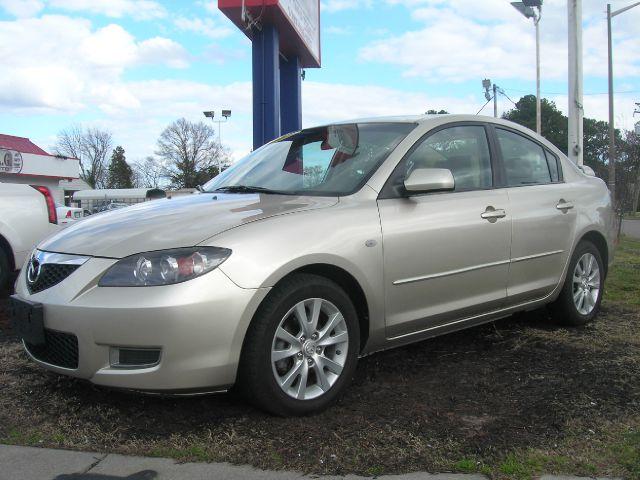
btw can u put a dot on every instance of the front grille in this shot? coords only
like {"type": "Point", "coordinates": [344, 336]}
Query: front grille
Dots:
{"type": "Point", "coordinates": [59, 349]}
{"type": "Point", "coordinates": [50, 274]}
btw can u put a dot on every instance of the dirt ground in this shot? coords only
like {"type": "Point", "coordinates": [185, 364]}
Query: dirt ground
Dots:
{"type": "Point", "coordinates": [515, 398]}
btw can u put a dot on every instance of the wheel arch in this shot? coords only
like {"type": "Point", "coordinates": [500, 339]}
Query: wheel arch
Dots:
{"type": "Point", "coordinates": [350, 285]}
{"type": "Point", "coordinates": [345, 280]}
{"type": "Point", "coordinates": [6, 247]}
{"type": "Point", "coordinates": [600, 242]}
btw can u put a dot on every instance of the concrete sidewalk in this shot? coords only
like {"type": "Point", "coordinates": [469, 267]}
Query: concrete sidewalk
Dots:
{"type": "Point", "coordinates": [27, 463]}
{"type": "Point", "coordinates": [631, 228]}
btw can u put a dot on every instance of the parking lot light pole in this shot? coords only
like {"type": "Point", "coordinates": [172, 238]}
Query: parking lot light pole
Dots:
{"type": "Point", "coordinates": [612, 130]}
{"type": "Point", "coordinates": [226, 114]}
{"type": "Point", "coordinates": [528, 9]}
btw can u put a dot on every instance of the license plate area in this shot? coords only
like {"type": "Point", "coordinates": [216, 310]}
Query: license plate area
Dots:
{"type": "Point", "coordinates": [27, 319]}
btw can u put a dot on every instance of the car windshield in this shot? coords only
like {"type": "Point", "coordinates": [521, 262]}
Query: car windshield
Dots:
{"type": "Point", "coordinates": [327, 161]}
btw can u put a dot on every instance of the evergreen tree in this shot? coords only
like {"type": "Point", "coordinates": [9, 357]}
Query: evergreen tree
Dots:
{"type": "Point", "coordinates": [555, 126]}
{"type": "Point", "coordinates": [120, 174]}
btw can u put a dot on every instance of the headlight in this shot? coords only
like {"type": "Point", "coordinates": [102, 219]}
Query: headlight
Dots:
{"type": "Point", "coordinates": [163, 267]}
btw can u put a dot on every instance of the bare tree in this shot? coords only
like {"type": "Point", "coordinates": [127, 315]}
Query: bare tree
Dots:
{"type": "Point", "coordinates": [190, 153]}
{"type": "Point", "coordinates": [92, 147]}
{"type": "Point", "coordinates": [149, 174]}
{"type": "Point", "coordinates": [629, 168]}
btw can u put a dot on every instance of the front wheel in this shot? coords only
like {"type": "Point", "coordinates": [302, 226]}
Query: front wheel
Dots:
{"type": "Point", "coordinates": [579, 300]}
{"type": "Point", "coordinates": [301, 350]}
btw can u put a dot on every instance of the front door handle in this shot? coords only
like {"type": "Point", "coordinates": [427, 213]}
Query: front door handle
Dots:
{"type": "Point", "coordinates": [564, 205]}
{"type": "Point", "coordinates": [493, 214]}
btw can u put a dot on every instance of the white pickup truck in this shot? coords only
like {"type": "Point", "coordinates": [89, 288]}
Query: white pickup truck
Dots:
{"type": "Point", "coordinates": [27, 216]}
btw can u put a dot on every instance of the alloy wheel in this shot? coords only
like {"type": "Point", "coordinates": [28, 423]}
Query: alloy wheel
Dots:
{"type": "Point", "coordinates": [309, 348]}
{"type": "Point", "coordinates": [586, 284]}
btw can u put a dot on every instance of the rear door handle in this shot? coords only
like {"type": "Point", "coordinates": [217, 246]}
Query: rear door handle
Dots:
{"type": "Point", "coordinates": [563, 205]}
{"type": "Point", "coordinates": [493, 214]}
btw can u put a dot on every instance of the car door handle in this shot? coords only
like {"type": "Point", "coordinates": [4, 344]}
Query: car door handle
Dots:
{"type": "Point", "coordinates": [493, 214]}
{"type": "Point", "coordinates": [563, 205]}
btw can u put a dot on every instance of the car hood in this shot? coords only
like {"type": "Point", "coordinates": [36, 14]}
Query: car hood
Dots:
{"type": "Point", "coordinates": [180, 222]}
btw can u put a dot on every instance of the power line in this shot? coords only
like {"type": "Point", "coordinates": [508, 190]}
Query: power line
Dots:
{"type": "Point", "coordinates": [488, 102]}
{"type": "Point", "coordinates": [508, 97]}
{"type": "Point", "coordinates": [564, 93]}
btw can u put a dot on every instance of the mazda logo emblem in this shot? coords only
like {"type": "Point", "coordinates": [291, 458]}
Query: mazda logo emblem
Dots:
{"type": "Point", "coordinates": [33, 272]}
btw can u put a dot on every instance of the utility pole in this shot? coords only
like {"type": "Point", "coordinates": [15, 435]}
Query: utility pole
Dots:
{"type": "Point", "coordinates": [612, 128]}
{"type": "Point", "coordinates": [495, 101]}
{"type": "Point", "coordinates": [576, 107]}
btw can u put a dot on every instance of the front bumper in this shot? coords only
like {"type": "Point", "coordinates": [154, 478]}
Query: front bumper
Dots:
{"type": "Point", "coordinates": [199, 326]}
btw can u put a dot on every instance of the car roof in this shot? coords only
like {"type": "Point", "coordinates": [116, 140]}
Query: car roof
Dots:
{"type": "Point", "coordinates": [421, 119]}
{"type": "Point", "coordinates": [440, 119]}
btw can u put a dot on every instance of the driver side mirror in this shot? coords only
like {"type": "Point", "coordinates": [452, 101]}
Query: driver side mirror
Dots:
{"type": "Point", "coordinates": [425, 180]}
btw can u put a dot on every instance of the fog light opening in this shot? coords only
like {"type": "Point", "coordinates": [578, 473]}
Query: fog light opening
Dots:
{"type": "Point", "coordinates": [129, 358]}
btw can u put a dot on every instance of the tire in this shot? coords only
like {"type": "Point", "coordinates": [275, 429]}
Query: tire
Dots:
{"type": "Point", "coordinates": [565, 310]}
{"type": "Point", "coordinates": [5, 273]}
{"type": "Point", "coordinates": [260, 378]}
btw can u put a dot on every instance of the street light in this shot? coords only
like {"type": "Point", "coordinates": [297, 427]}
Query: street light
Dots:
{"type": "Point", "coordinates": [612, 130]}
{"type": "Point", "coordinates": [226, 114]}
{"type": "Point", "coordinates": [528, 9]}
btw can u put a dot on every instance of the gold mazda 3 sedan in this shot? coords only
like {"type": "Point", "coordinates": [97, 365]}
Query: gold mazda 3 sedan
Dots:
{"type": "Point", "coordinates": [320, 247]}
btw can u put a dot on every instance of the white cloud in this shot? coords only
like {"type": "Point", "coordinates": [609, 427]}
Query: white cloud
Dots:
{"type": "Point", "coordinates": [203, 26]}
{"type": "Point", "coordinates": [138, 9]}
{"type": "Point", "coordinates": [459, 43]}
{"type": "Point", "coordinates": [332, 6]}
{"type": "Point", "coordinates": [22, 8]}
{"type": "Point", "coordinates": [81, 67]}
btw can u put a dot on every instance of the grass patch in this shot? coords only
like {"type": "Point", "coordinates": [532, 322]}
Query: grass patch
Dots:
{"type": "Point", "coordinates": [627, 453]}
{"type": "Point", "coordinates": [623, 282]}
{"type": "Point", "coordinates": [466, 466]}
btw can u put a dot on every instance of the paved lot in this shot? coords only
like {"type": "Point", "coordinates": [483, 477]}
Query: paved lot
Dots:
{"type": "Point", "coordinates": [27, 463]}
{"type": "Point", "coordinates": [631, 228]}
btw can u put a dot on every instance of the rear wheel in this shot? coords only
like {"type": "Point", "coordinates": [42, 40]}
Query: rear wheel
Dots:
{"type": "Point", "coordinates": [301, 350]}
{"type": "Point", "coordinates": [579, 300]}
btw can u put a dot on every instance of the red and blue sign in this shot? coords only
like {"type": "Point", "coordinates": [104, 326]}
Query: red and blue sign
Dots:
{"type": "Point", "coordinates": [285, 36]}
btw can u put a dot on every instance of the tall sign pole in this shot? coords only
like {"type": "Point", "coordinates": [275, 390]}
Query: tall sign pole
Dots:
{"type": "Point", "coordinates": [576, 94]}
{"type": "Point", "coordinates": [266, 85]}
{"type": "Point", "coordinates": [285, 36]}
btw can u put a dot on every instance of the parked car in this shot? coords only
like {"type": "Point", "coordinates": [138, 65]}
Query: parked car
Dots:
{"type": "Point", "coordinates": [320, 247]}
{"type": "Point", "coordinates": [27, 216]}
{"type": "Point", "coordinates": [67, 215]}
{"type": "Point", "coordinates": [107, 206]}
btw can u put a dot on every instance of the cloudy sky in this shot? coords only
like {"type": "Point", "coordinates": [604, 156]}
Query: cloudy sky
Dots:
{"type": "Point", "coordinates": [133, 66]}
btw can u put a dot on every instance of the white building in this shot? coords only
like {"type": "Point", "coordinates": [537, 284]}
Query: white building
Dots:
{"type": "Point", "coordinates": [22, 161]}
{"type": "Point", "coordinates": [94, 200]}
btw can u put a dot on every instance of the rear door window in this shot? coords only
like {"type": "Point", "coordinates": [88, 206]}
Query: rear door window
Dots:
{"type": "Point", "coordinates": [525, 161]}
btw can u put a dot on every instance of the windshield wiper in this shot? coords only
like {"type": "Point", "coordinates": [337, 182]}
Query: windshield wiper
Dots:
{"type": "Point", "coordinates": [249, 189]}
